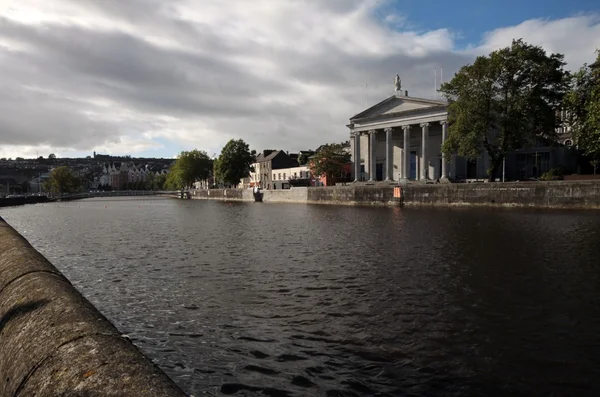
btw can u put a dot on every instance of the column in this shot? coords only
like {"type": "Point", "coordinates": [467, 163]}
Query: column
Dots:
{"type": "Point", "coordinates": [424, 162]}
{"type": "Point", "coordinates": [372, 155]}
{"type": "Point", "coordinates": [406, 167]}
{"type": "Point", "coordinates": [356, 156]}
{"type": "Point", "coordinates": [389, 155]}
{"type": "Point", "coordinates": [444, 162]}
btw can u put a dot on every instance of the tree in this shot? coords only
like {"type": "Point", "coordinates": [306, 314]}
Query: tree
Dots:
{"type": "Point", "coordinates": [159, 182]}
{"type": "Point", "coordinates": [330, 161]}
{"type": "Point", "coordinates": [595, 163]}
{"type": "Point", "coordinates": [190, 167]}
{"type": "Point", "coordinates": [503, 102]}
{"type": "Point", "coordinates": [302, 159]}
{"type": "Point", "coordinates": [62, 180]}
{"type": "Point", "coordinates": [51, 156]}
{"type": "Point", "coordinates": [590, 138]}
{"type": "Point", "coordinates": [577, 104]}
{"type": "Point", "coordinates": [234, 162]}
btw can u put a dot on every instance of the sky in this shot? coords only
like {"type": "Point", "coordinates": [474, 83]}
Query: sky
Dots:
{"type": "Point", "coordinates": [154, 78]}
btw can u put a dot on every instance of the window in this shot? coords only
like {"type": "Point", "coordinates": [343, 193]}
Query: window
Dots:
{"type": "Point", "coordinates": [568, 142]}
{"type": "Point", "coordinates": [284, 175]}
{"type": "Point", "coordinates": [279, 175]}
{"type": "Point", "coordinates": [274, 177]}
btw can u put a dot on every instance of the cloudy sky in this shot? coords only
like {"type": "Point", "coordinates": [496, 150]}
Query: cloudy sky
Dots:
{"type": "Point", "coordinates": [154, 77]}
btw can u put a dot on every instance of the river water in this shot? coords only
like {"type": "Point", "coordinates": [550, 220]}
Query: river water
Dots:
{"type": "Point", "coordinates": [259, 299]}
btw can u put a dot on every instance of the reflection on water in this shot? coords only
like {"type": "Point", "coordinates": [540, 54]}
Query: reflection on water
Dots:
{"type": "Point", "coordinates": [278, 300]}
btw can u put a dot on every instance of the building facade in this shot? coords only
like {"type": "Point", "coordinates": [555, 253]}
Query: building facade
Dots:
{"type": "Point", "coordinates": [401, 138]}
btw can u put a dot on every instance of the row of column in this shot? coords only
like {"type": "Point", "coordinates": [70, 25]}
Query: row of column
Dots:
{"type": "Point", "coordinates": [389, 153]}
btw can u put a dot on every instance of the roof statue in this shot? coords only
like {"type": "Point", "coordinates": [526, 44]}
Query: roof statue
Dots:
{"type": "Point", "coordinates": [397, 83]}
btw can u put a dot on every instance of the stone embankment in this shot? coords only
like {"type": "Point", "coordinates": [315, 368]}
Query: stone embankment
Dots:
{"type": "Point", "coordinates": [54, 342]}
{"type": "Point", "coordinates": [557, 194]}
{"type": "Point", "coordinates": [11, 201]}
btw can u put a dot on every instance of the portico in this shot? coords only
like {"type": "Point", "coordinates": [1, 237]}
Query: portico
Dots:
{"type": "Point", "coordinates": [400, 139]}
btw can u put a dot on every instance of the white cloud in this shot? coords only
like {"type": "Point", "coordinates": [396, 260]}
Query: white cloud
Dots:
{"type": "Point", "coordinates": [576, 37]}
{"type": "Point", "coordinates": [136, 75]}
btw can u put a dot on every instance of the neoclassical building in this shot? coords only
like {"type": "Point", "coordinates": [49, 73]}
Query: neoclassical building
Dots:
{"type": "Point", "coordinates": [400, 139]}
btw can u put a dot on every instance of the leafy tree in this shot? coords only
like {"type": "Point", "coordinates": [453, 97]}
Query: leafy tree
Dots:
{"type": "Point", "coordinates": [503, 102]}
{"type": "Point", "coordinates": [150, 179]}
{"type": "Point", "coordinates": [329, 161]}
{"type": "Point", "coordinates": [234, 162]}
{"type": "Point", "coordinates": [577, 104]}
{"type": "Point", "coordinates": [302, 159]}
{"type": "Point", "coordinates": [62, 180]}
{"type": "Point", "coordinates": [160, 182]}
{"type": "Point", "coordinates": [589, 140]}
{"type": "Point", "coordinates": [595, 164]}
{"type": "Point", "coordinates": [173, 180]}
{"type": "Point", "coordinates": [51, 156]}
{"type": "Point", "coordinates": [190, 167]}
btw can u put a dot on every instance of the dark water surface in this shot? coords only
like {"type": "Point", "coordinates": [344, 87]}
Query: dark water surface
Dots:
{"type": "Point", "coordinates": [278, 300]}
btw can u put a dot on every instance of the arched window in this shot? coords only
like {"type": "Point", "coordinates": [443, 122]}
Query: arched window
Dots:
{"type": "Point", "coordinates": [568, 142]}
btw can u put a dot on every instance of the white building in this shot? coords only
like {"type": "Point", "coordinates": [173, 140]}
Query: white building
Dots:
{"type": "Point", "coordinates": [401, 137]}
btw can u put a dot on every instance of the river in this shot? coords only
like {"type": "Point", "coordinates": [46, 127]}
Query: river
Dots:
{"type": "Point", "coordinates": [257, 299]}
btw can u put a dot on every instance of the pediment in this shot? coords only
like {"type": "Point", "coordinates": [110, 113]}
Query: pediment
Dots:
{"type": "Point", "coordinates": [398, 105]}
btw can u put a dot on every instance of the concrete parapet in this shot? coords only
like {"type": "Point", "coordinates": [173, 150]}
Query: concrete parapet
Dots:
{"type": "Point", "coordinates": [555, 194]}
{"type": "Point", "coordinates": [54, 342]}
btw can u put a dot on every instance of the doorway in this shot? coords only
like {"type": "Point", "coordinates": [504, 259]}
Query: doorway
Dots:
{"type": "Point", "coordinates": [413, 165]}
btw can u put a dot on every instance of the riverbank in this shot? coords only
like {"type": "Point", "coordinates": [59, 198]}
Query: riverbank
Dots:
{"type": "Point", "coordinates": [54, 341]}
{"type": "Point", "coordinates": [555, 194]}
{"type": "Point", "coordinates": [12, 201]}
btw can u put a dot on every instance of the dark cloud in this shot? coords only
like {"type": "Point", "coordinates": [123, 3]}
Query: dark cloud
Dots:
{"type": "Point", "coordinates": [281, 75]}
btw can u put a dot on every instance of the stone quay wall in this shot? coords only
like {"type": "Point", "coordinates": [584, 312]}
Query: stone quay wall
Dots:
{"type": "Point", "coordinates": [54, 342]}
{"type": "Point", "coordinates": [11, 201]}
{"type": "Point", "coordinates": [555, 194]}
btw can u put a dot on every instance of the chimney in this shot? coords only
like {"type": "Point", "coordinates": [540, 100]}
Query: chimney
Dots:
{"type": "Point", "coordinates": [405, 92]}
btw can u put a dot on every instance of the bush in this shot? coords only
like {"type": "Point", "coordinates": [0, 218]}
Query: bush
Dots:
{"type": "Point", "coordinates": [554, 174]}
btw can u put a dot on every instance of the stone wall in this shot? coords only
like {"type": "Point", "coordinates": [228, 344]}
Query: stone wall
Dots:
{"type": "Point", "coordinates": [222, 194]}
{"type": "Point", "coordinates": [54, 342]}
{"type": "Point", "coordinates": [295, 195]}
{"type": "Point", "coordinates": [556, 194]}
{"type": "Point", "coordinates": [530, 194]}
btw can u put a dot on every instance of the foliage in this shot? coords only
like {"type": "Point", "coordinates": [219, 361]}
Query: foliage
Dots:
{"type": "Point", "coordinates": [159, 182]}
{"type": "Point", "coordinates": [554, 174]}
{"type": "Point", "coordinates": [234, 163]}
{"type": "Point", "coordinates": [502, 102]}
{"type": "Point", "coordinates": [303, 159]}
{"type": "Point", "coordinates": [173, 180]}
{"type": "Point", "coordinates": [189, 167]}
{"type": "Point", "coordinates": [62, 180]}
{"type": "Point", "coordinates": [595, 164]}
{"type": "Point", "coordinates": [590, 140]}
{"type": "Point", "coordinates": [329, 161]}
{"type": "Point", "coordinates": [582, 105]}
{"type": "Point", "coordinates": [51, 156]}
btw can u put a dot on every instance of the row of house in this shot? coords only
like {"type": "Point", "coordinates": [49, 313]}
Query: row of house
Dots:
{"type": "Point", "coordinates": [277, 169]}
{"type": "Point", "coordinates": [119, 175]}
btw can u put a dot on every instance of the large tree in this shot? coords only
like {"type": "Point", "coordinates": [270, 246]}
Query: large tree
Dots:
{"type": "Point", "coordinates": [234, 163]}
{"type": "Point", "coordinates": [189, 167]}
{"type": "Point", "coordinates": [329, 161]}
{"type": "Point", "coordinates": [62, 180]}
{"type": "Point", "coordinates": [582, 110]}
{"type": "Point", "coordinates": [503, 102]}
